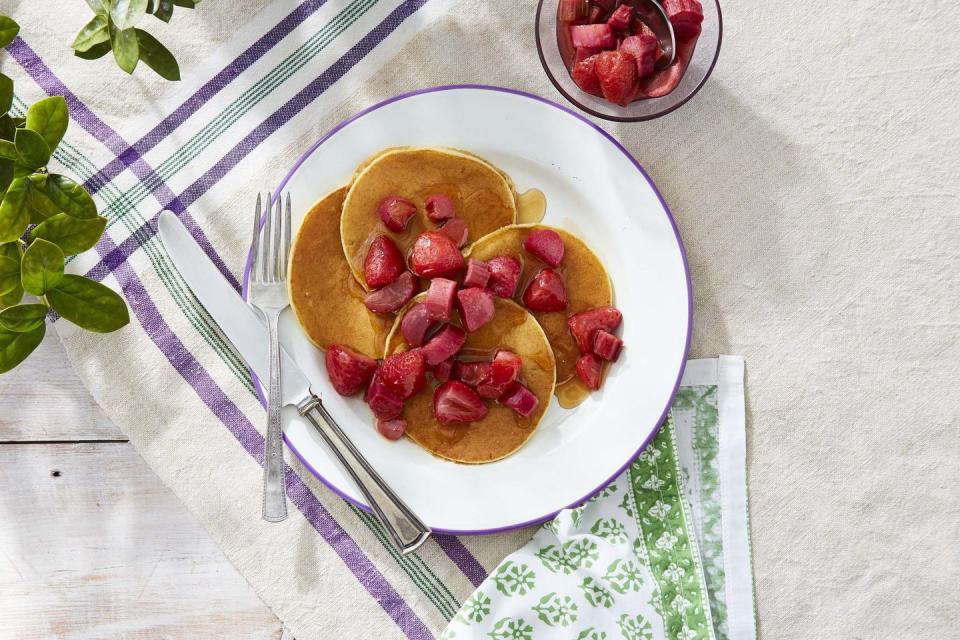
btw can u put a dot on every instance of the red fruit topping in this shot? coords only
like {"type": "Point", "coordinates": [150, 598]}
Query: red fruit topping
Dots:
{"type": "Point", "coordinates": [585, 324]}
{"type": "Point", "coordinates": [546, 292]}
{"type": "Point", "coordinates": [584, 73]}
{"type": "Point", "coordinates": [596, 15]}
{"type": "Point", "coordinates": [349, 372]}
{"type": "Point", "coordinates": [404, 374]}
{"type": "Point", "coordinates": [663, 82]}
{"type": "Point", "coordinates": [586, 52]}
{"type": "Point", "coordinates": [456, 229]}
{"type": "Point", "coordinates": [415, 325]}
{"type": "Point", "coordinates": [617, 73]}
{"type": "Point", "coordinates": [643, 49]}
{"type": "Point", "coordinates": [478, 274]}
{"type": "Point", "coordinates": [439, 207]}
{"type": "Point", "coordinates": [592, 35]}
{"type": "Point", "coordinates": [686, 17]}
{"type": "Point", "coordinates": [456, 402]}
{"type": "Point", "coordinates": [444, 345]}
{"type": "Point", "coordinates": [621, 18]}
{"type": "Point", "coordinates": [469, 372]}
{"type": "Point", "coordinates": [395, 212]}
{"type": "Point", "coordinates": [571, 10]}
{"type": "Point", "coordinates": [607, 346]}
{"type": "Point", "coordinates": [590, 370]}
{"type": "Point", "coordinates": [393, 296]}
{"type": "Point", "coordinates": [546, 244]}
{"type": "Point", "coordinates": [435, 255]}
{"type": "Point", "coordinates": [384, 263]}
{"type": "Point", "coordinates": [504, 369]}
{"type": "Point", "coordinates": [440, 297]}
{"type": "Point", "coordinates": [476, 307]}
{"type": "Point", "coordinates": [441, 370]}
{"type": "Point", "coordinates": [504, 275]}
{"type": "Point", "coordinates": [520, 399]}
{"type": "Point", "coordinates": [384, 404]}
{"type": "Point", "coordinates": [392, 429]}
{"type": "Point", "coordinates": [606, 5]}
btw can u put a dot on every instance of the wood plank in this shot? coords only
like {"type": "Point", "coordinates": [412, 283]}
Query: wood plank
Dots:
{"type": "Point", "coordinates": [43, 399]}
{"type": "Point", "coordinates": [93, 546]}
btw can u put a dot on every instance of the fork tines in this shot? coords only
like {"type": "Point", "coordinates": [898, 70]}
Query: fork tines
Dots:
{"type": "Point", "coordinates": [269, 265]}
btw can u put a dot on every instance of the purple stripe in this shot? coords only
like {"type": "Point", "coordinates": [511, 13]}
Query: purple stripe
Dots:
{"type": "Point", "coordinates": [211, 88]}
{"type": "Point", "coordinates": [79, 112]}
{"type": "Point", "coordinates": [461, 556]}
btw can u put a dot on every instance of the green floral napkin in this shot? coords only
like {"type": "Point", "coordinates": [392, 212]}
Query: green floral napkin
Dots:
{"type": "Point", "coordinates": [661, 553]}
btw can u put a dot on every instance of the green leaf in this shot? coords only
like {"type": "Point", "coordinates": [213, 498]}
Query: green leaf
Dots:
{"type": "Point", "coordinates": [23, 317]}
{"type": "Point", "coordinates": [94, 32]}
{"type": "Point", "coordinates": [6, 93]}
{"type": "Point", "coordinates": [163, 10]}
{"type": "Point", "coordinates": [72, 235]}
{"type": "Point", "coordinates": [41, 268]}
{"type": "Point", "coordinates": [8, 128]}
{"type": "Point", "coordinates": [8, 150]}
{"type": "Point", "coordinates": [8, 30]}
{"type": "Point", "coordinates": [32, 149]}
{"type": "Point", "coordinates": [99, 6]}
{"type": "Point", "coordinates": [41, 207]}
{"type": "Point", "coordinates": [125, 14]}
{"type": "Point", "coordinates": [49, 117]}
{"type": "Point", "coordinates": [14, 215]}
{"type": "Point", "coordinates": [16, 346]}
{"type": "Point", "coordinates": [70, 197]}
{"type": "Point", "coordinates": [157, 56]}
{"type": "Point", "coordinates": [94, 52]}
{"type": "Point", "coordinates": [9, 274]}
{"type": "Point", "coordinates": [189, 4]}
{"type": "Point", "coordinates": [88, 304]}
{"type": "Point", "coordinates": [125, 49]}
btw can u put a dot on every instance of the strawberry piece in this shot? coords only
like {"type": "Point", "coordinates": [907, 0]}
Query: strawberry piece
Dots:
{"type": "Point", "coordinates": [663, 82]}
{"type": "Point", "coordinates": [404, 374]}
{"type": "Point", "coordinates": [545, 244]}
{"type": "Point", "coordinates": [617, 72]}
{"type": "Point", "coordinates": [349, 372]}
{"type": "Point", "coordinates": [395, 212]}
{"type": "Point", "coordinates": [435, 255]}
{"type": "Point", "coordinates": [584, 73]}
{"type": "Point", "coordinates": [384, 404]}
{"type": "Point", "coordinates": [546, 292]}
{"type": "Point", "coordinates": [621, 17]}
{"type": "Point", "coordinates": [478, 273]}
{"type": "Point", "coordinates": [456, 402]}
{"type": "Point", "coordinates": [444, 345]}
{"type": "Point", "coordinates": [592, 35]}
{"type": "Point", "coordinates": [476, 307]}
{"type": "Point", "coordinates": [584, 325]}
{"type": "Point", "coordinates": [643, 49]}
{"type": "Point", "coordinates": [441, 371]}
{"type": "Point", "coordinates": [607, 346]}
{"type": "Point", "coordinates": [392, 429]}
{"type": "Point", "coordinates": [686, 17]}
{"type": "Point", "coordinates": [571, 10]}
{"type": "Point", "coordinates": [393, 296]}
{"type": "Point", "coordinates": [504, 275]}
{"type": "Point", "coordinates": [439, 207]}
{"type": "Point", "coordinates": [590, 370]}
{"type": "Point", "coordinates": [586, 52]}
{"type": "Point", "coordinates": [439, 300]}
{"type": "Point", "coordinates": [456, 229]}
{"type": "Point", "coordinates": [504, 369]}
{"type": "Point", "coordinates": [520, 399]}
{"type": "Point", "coordinates": [469, 373]}
{"type": "Point", "coordinates": [415, 324]}
{"type": "Point", "coordinates": [384, 263]}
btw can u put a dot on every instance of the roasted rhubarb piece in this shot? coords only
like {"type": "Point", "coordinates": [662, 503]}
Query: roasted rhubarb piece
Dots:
{"type": "Point", "coordinates": [586, 52]}
{"type": "Point", "coordinates": [395, 212]}
{"type": "Point", "coordinates": [393, 296]}
{"type": "Point", "coordinates": [606, 345]}
{"type": "Point", "coordinates": [621, 18]}
{"type": "Point", "coordinates": [392, 429]}
{"type": "Point", "coordinates": [441, 370]}
{"type": "Point", "coordinates": [403, 374]}
{"type": "Point", "coordinates": [520, 399]}
{"type": "Point", "coordinates": [476, 307]}
{"type": "Point", "coordinates": [617, 73]}
{"type": "Point", "coordinates": [546, 292]}
{"type": "Point", "coordinates": [584, 325]}
{"type": "Point", "coordinates": [504, 275]}
{"type": "Point", "coordinates": [545, 244]}
{"type": "Point", "coordinates": [384, 404]}
{"type": "Point", "coordinates": [643, 49]}
{"type": "Point", "coordinates": [454, 401]}
{"type": "Point", "coordinates": [439, 207]}
{"type": "Point", "coordinates": [456, 229]}
{"type": "Point", "coordinates": [444, 344]}
{"type": "Point", "coordinates": [572, 10]}
{"type": "Point", "coordinates": [592, 35]}
{"type": "Point", "coordinates": [383, 264]}
{"type": "Point", "coordinates": [349, 372]}
{"type": "Point", "coordinates": [469, 373]}
{"type": "Point", "coordinates": [439, 301]}
{"type": "Point", "coordinates": [415, 325]}
{"type": "Point", "coordinates": [590, 371]}
{"type": "Point", "coordinates": [435, 255]}
{"type": "Point", "coordinates": [504, 369]}
{"type": "Point", "coordinates": [478, 273]}
{"type": "Point", "coordinates": [686, 16]}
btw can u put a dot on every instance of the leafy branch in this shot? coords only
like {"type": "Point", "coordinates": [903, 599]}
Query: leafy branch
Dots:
{"type": "Point", "coordinates": [113, 28]}
{"type": "Point", "coordinates": [44, 217]}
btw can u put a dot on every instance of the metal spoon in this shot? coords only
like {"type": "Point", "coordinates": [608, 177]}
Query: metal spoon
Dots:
{"type": "Point", "coordinates": [656, 18]}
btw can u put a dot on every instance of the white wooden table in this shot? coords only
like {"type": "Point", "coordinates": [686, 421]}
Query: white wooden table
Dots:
{"type": "Point", "coordinates": [92, 545]}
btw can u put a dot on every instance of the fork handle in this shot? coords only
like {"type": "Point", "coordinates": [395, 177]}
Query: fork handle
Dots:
{"type": "Point", "coordinates": [274, 482]}
{"type": "Point", "coordinates": [406, 530]}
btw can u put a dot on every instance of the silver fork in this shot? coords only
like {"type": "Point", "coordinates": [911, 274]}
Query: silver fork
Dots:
{"type": "Point", "coordinates": [268, 293]}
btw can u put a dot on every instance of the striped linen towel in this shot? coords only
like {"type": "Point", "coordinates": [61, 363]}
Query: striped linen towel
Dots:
{"type": "Point", "coordinates": [262, 81]}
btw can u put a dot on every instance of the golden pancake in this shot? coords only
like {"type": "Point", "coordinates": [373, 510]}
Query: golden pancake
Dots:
{"type": "Point", "coordinates": [326, 299]}
{"type": "Point", "coordinates": [502, 431]}
{"type": "Point", "coordinates": [483, 197]}
{"type": "Point", "coordinates": [587, 283]}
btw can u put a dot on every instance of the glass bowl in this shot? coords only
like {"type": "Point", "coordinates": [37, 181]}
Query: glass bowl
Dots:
{"type": "Point", "coordinates": [701, 65]}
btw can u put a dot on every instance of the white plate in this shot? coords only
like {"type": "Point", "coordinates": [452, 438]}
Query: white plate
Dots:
{"type": "Point", "coordinates": [595, 189]}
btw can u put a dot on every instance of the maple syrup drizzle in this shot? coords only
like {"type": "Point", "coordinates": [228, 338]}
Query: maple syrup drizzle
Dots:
{"type": "Point", "coordinates": [531, 206]}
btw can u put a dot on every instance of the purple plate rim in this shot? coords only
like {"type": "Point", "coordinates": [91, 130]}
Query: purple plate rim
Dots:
{"type": "Point", "coordinates": [676, 232]}
{"type": "Point", "coordinates": [613, 118]}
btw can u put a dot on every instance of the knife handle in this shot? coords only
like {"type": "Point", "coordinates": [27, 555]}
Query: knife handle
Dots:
{"type": "Point", "coordinates": [405, 528]}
